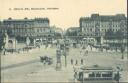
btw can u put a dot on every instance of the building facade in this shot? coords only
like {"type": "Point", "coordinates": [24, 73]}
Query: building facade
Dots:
{"type": "Point", "coordinates": [26, 27]}
{"type": "Point", "coordinates": [98, 25]}
{"type": "Point", "coordinates": [22, 30]}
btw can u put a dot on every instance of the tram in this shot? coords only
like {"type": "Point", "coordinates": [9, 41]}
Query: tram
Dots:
{"type": "Point", "coordinates": [85, 73]}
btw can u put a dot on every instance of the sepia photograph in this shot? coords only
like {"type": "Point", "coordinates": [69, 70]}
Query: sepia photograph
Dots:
{"type": "Point", "coordinates": [63, 41]}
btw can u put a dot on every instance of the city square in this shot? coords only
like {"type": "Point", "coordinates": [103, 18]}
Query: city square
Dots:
{"type": "Point", "coordinates": [38, 72]}
{"type": "Point", "coordinates": [95, 51]}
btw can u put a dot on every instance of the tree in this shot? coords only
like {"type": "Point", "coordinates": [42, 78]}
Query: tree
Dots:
{"type": "Point", "coordinates": [117, 76]}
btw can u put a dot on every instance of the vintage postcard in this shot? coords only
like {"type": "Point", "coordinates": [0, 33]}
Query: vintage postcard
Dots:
{"type": "Point", "coordinates": [77, 41]}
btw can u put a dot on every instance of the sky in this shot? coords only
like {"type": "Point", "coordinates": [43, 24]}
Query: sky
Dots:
{"type": "Point", "coordinates": [66, 13]}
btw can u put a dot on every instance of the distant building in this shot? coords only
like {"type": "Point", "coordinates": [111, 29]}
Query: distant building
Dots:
{"type": "Point", "coordinates": [26, 27]}
{"type": "Point", "coordinates": [98, 25]}
{"type": "Point", "coordinates": [2, 29]}
{"type": "Point", "coordinates": [73, 31]}
{"type": "Point", "coordinates": [37, 29]}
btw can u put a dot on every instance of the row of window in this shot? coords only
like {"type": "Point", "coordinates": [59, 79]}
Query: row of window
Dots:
{"type": "Point", "coordinates": [23, 30]}
{"type": "Point", "coordinates": [43, 30]}
{"type": "Point", "coordinates": [41, 25]}
{"type": "Point", "coordinates": [27, 25]}
{"type": "Point", "coordinates": [104, 30]}
{"type": "Point", "coordinates": [101, 26]}
{"type": "Point", "coordinates": [19, 25]}
{"type": "Point", "coordinates": [92, 34]}
{"type": "Point", "coordinates": [100, 75]}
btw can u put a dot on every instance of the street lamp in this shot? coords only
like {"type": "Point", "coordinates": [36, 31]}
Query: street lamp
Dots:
{"type": "Point", "coordinates": [15, 37]}
{"type": "Point", "coordinates": [58, 56]}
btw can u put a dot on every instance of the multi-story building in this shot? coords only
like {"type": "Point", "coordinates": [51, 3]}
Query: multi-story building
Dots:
{"type": "Point", "coordinates": [26, 27]}
{"type": "Point", "coordinates": [98, 25]}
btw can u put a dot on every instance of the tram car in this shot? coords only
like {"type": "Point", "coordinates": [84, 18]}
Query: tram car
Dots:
{"type": "Point", "coordinates": [95, 73]}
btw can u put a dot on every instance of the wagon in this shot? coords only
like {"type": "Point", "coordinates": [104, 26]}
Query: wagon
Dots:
{"type": "Point", "coordinates": [46, 59]}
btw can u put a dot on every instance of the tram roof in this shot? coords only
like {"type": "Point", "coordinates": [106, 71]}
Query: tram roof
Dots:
{"type": "Point", "coordinates": [96, 68]}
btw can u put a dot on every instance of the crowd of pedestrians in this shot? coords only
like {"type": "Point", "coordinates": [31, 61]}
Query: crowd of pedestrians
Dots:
{"type": "Point", "coordinates": [76, 62]}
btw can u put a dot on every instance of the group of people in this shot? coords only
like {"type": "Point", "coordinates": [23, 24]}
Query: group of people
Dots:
{"type": "Point", "coordinates": [75, 62]}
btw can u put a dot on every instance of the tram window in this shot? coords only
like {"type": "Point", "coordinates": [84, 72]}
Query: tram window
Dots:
{"type": "Point", "coordinates": [98, 75]}
{"type": "Point", "coordinates": [106, 75]}
{"type": "Point", "coordinates": [110, 75]}
{"type": "Point", "coordinates": [92, 75]}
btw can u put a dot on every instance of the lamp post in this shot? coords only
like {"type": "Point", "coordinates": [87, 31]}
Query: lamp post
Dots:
{"type": "Point", "coordinates": [122, 51]}
{"type": "Point", "coordinates": [65, 54]}
{"type": "Point", "coordinates": [58, 56]}
{"type": "Point", "coordinates": [15, 37]}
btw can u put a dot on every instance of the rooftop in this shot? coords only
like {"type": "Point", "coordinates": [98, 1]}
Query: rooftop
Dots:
{"type": "Point", "coordinates": [97, 17]}
{"type": "Point", "coordinates": [96, 67]}
{"type": "Point", "coordinates": [25, 19]}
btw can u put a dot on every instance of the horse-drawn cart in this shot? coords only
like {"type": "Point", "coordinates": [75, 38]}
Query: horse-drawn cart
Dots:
{"type": "Point", "coordinates": [46, 60]}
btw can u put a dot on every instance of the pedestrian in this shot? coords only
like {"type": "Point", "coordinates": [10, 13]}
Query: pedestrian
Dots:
{"type": "Point", "coordinates": [44, 62]}
{"type": "Point", "coordinates": [80, 52]}
{"type": "Point", "coordinates": [91, 48]}
{"type": "Point", "coordinates": [75, 76]}
{"type": "Point", "coordinates": [76, 62]}
{"type": "Point", "coordinates": [81, 61]}
{"type": "Point", "coordinates": [81, 76]}
{"type": "Point", "coordinates": [71, 61]}
{"type": "Point", "coordinates": [117, 77]}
